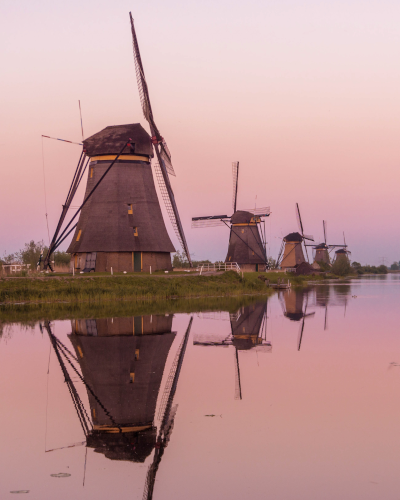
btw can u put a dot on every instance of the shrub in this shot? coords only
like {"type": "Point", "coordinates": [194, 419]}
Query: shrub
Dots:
{"type": "Point", "coordinates": [341, 267]}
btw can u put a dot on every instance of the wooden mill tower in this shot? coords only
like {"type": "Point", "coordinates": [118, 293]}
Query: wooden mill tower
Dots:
{"type": "Point", "coordinates": [121, 226]}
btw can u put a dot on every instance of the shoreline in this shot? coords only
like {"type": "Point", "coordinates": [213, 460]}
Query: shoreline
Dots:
{"type": "Point", "coordinates": [91, 288]}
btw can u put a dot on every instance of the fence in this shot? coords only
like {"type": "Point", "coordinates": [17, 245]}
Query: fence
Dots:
{"type": "Point", "coordinates": [223, 266]}
{"type": "Point", "coordinates": [14, 268]}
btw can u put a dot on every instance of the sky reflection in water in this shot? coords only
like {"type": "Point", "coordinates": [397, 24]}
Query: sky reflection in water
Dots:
{"type": "Point", "coordinates": [292, 397]}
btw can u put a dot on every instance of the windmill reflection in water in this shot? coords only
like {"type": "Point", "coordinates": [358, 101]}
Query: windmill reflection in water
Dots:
{"type": "Point", "coordinates": [295, 303]}
{"type": "Point", "coordinates": [121, 362]}
{"type": "Point", "coordinates": [248, 331]}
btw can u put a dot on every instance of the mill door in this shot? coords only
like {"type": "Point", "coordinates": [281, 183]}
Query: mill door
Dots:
{"type": "Point", "coordinates": [137, 262]}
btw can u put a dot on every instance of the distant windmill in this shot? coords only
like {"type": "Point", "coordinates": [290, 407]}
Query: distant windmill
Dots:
{"type": "Point", "coordinates": [249, 330]}
{"type": "Point", "coordinates": [343, 253]}
{"type": "Point", "coordinates": [247, 245]}
{"type": "Point", "coordinates": [322, 250]}
{"type": "Point", "coordinates": [291, 253]}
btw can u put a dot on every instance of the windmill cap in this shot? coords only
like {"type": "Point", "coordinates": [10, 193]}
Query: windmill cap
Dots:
{"type": "Point", "coordinates": [111, 139]}
{"type": "Point", "coordinates": [241, 217]}
{"type": "Point", "coordinates": [321, 246]}
{"type": "Point", "coordinates": [293, 237]}
{"type": "Point", "coordinates": [341, 250]}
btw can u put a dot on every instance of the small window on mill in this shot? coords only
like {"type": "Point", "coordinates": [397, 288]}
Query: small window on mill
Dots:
{"type": "Point", "coordinates": [79, 235]}
{"type": "Point", "coordinates": [135, 231]}
{"type": "Point", "coordinates": [91, 172]}
{"type": "Point", "coordinates": [130, 209]}
{"type": "Point", "coordinates": [242, 230]}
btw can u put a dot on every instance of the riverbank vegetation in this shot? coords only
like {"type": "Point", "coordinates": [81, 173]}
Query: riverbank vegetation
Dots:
{"type": "Point", "coordinates": [30, 255]}
{"type": "Point", "coordinates": [359, 269]}
{"type": "Point", "coordinates": [91, 288]}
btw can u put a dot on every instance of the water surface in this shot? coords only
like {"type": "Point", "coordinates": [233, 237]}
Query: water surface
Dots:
{"type": "Point", "coordinates": [291, 397]}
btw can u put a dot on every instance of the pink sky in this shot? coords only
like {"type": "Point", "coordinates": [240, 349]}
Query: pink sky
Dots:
{"type": "Point", "coordinates": [304, 94]}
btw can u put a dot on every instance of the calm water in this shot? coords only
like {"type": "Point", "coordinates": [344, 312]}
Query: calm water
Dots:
{"type": "Point", "coordinates": [293, 397]}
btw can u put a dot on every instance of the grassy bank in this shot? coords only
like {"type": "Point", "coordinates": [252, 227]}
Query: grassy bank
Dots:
{"type": "Point", "coordinates": [92, 288]}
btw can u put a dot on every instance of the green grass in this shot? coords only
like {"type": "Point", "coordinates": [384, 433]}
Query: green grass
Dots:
{"type": "Point", "coordinates": [99, 288]}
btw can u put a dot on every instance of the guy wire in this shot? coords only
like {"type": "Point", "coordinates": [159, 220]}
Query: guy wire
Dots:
{"type": "Point", "coordinates": [45, 197]}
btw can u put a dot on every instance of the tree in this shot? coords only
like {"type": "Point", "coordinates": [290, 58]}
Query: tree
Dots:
{"type": "Point", "coordinates": [356, 265]}
{"type": "Point", "coordinates": [382, 269]}
{"type": "Point", "coordinates": [180, 260]}
{"type": "Point", "coordinates": [8, 259]}
{"type": "Point", "coordinates": [31, 252]}
{"type": "Point", "coordinates": [395, 266]}
{"type": "Point", "coordinates": [341, 267]}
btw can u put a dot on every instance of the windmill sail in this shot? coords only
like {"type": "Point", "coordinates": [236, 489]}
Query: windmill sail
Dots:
{"type": "Point", "coordinates": [168, 417]}
{"type": "Point", "coordinates": [238, 385]}
{"type": "Point", "coordinates": [160, 146]}
{"type": "Point", "coordinates": [235, 176]}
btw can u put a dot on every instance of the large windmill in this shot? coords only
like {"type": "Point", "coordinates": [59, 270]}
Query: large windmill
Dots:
{"type": "Point", "coordinates": [291, 253]}
{"type": "Point", "coordinates": [247, 245]}
{"type": "Point", "coordinates": [120, 223]}
{"type": "Point", "coordinates": [322, 250]}
{"type": "Point", "coordinates": [248, 331]}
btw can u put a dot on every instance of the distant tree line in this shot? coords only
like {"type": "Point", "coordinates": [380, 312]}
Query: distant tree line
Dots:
{"type": "Point", "coordinates": [30, 254]}
{"type": "Point", "coordinates": [395, 266]}
{"type": "Point", "coordinates": [382, 269]}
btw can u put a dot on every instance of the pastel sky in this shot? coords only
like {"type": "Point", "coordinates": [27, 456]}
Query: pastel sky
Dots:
{"type": "Point", "coordinates": [305, 94]}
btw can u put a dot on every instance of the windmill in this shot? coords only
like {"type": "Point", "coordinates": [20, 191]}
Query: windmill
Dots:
{"type": "Point", "coordinates": [247, 245]}
{"type": "Point", "coordinates": [292, 304]}
{"type": "Point", "coordinates": [121, 425]}
{"type": "Point", "coordinates": [343, 253]}
{"type": "Point", "coordinates": [120, 223]}
{"type": "Point", "coordinates": [322, 250]}
{"type": "Point", "coordinates": [291, 253]}
{"type": "Point", "coordinates": [248, 331]}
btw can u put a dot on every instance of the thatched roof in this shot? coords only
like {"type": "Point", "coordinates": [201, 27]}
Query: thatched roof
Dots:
{"type": "Point", "coordinates": [293, 237]}
{"type": "Point", "coordinates": [133, 447]}
{"type": "Point", "coordinates": [241, 217]}
{"type": "Point", "coordinates": [111, 139]}
{"type": "Point", "coordinates": [305, 268]}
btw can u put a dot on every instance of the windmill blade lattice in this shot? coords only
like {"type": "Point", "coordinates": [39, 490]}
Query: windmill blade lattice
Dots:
{"type": "Point", "coordinates": [207, 223]}
{"type": "Point", "coordinates": [258, 211]}
{"type": "Point", "coordinates": [167, 159]}
{"type": "Point", "coordinates": [299, 223]}
{"type": "Point", "coordinates": [235, 178]}
{"type": "Point", "coordinates": [167, 202]}
{"type": "Point", "coordinates": [160, 147]}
